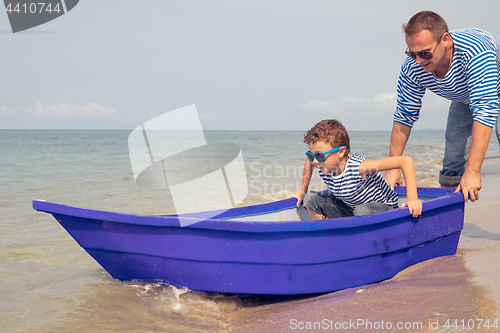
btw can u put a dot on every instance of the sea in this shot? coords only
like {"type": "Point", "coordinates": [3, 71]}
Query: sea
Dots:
{"type": "Point", "coordinates": [48, 283]}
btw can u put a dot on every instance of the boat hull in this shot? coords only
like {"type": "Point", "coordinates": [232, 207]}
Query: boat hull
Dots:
{"type": "Point", "coordinates": [272, 258]}
{"type": "Point", "coordinates": [270, 279]}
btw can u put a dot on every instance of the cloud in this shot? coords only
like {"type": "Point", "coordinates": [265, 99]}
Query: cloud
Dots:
{"type": "Point", "coordinates": [346, 103]}
{"type": "Point", "coordinates": [60, 111]}
{"type": "Point", "coordinates": [321, 106]}
{"type": "Point", "coordinates": [377, 111]}
{"type": "Point", "coordinates": [385, 99]}
{"type": "Point", "coordinates": [210, 116]}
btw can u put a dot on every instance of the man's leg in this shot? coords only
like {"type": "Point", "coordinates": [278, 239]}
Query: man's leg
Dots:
{"type": "Point", "coordinates": [458, 140]}
{"type": "Point", "coordinates": [326, 204]}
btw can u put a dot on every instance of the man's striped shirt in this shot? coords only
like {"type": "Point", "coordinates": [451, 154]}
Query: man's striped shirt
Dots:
{"type": "Point", "coordinates": [473, 79]}
{"type": "Point", "coordinates": [351, 188]}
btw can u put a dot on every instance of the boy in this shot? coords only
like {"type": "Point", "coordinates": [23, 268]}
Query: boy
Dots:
{"type": "Point", "coordinates": [355, 185]}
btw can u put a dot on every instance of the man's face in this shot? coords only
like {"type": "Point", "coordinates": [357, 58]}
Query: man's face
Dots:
{"type": "Point", "coordinates": [425, 41]}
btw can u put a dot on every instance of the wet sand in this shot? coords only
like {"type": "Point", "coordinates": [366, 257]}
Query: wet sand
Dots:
{"type": "Point", "coordinates": [448, 294]}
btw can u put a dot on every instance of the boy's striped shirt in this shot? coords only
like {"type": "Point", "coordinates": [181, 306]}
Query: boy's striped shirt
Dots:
{"type": "Point", "coordinates": [473, 79]}
{"type": "Point", "coordinates": [351, 188]}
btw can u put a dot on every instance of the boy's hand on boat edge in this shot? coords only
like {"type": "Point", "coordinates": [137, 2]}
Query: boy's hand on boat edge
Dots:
{"type": "Point", "coordinates": [299, 195]}
{"type": "Point", "coordinates": [414, 206]}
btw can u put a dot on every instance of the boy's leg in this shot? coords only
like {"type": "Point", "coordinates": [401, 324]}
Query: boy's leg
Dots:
{"type": "Point", "coordinates": [458, 140]}
{"type": "Point", "coordinates": [370, 208]}
{"type": "Point", "coordinates": [326, 204]}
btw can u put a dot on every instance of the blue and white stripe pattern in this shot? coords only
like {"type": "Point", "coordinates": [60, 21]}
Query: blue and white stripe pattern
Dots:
{"type": "Point", "coordinates": [473, 79]}
{"type": "Point", "coordinates": [351, 188]}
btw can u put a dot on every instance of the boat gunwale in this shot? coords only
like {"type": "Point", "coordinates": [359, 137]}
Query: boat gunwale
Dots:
{"type": "Point", "coordinates": [442, 198]}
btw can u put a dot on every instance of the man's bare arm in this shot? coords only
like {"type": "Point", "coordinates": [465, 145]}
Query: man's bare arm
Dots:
{"type": "Point", "coordinates": [471, 179]}
{"type": "Point", "coordinates": [399, 137]}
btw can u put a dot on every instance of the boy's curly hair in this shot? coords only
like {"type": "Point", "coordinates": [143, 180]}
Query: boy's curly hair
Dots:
{"type": "Point", "coordinates": [330, 131]}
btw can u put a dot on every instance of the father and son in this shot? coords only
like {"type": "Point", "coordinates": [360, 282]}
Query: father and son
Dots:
{"type": "Point", "coordinates": [462, 66]}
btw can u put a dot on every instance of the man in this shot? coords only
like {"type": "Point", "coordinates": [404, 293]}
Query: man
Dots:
{"type": "Point", "coordinates": [462, 66]}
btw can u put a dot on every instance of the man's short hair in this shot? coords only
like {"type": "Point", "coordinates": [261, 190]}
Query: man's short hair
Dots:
{"type": "Point", "coordinates": [330, 131]}
{"type": "Point", "coordinates": [426, 20]}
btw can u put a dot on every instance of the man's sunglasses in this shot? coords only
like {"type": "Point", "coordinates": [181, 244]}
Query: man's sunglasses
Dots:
{"type": "Point", "coordinates": [321, 157]}
{"type": "Point", "coordinates": [426, 55]}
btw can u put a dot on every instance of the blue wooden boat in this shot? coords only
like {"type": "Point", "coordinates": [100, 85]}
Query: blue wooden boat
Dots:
{"type": "Point", "coordinates": [270, 249]}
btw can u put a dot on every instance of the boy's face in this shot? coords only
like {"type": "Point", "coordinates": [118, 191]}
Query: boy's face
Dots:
{"type": "Point", "coordinates": [332, 162]}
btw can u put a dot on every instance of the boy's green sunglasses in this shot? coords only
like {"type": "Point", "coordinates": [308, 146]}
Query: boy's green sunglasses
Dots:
{"type": "Point", "coordinates": [321, 157]}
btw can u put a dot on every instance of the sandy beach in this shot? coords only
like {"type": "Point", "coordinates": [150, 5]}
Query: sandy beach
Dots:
{"type": "Point", "coordinates": [459, 293]}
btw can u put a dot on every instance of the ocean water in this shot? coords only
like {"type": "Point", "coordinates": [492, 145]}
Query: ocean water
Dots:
{"type": "Point", "coordinates": [48, 283]}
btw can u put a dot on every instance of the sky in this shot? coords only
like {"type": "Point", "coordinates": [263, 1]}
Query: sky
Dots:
{"type": "Point", "coordinates": [246, 65]}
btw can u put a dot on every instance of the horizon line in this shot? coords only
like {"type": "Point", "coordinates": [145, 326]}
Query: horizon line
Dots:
{"type": "Point", "coordinates": [205, 130]}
